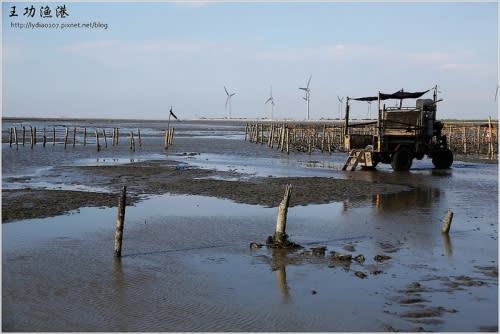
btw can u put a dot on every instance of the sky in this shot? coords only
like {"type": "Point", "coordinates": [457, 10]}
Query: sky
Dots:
{"type": "Point", "coordinates": [135, 60]}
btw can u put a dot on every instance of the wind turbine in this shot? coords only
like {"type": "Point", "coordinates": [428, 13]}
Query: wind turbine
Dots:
{"type": "Point", "coordinates": [228, 100]}
{"type": "Point", "coordinates": [341, 99]}
{"type": "Point", "coordinates": [308, 95]}
{"type": "Point", "coordinates": [496, 94]}
{"type": "Point", "coordinates": [369, 109]}
{"type": "Point", "coordinates": [271, 99]}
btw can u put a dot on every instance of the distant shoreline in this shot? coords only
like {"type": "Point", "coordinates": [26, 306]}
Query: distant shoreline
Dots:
{"type": "Point", "coordinates": [221, 120]}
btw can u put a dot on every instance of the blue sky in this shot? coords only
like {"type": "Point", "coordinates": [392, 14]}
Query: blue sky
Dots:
{"type": "Point", "coordinates": [156, 55]}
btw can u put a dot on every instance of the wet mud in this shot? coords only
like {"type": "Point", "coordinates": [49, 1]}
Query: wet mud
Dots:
{"type": "Point", "coordinates": [159, 177]}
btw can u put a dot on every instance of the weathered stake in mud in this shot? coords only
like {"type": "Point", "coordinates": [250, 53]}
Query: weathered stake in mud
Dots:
{"type": "Point", "coordinates": [132, 141]}
{"type": "Point", "coordinates": [31, 137]}
{"type": "Point", "coordinates": [65, 138]}
{"type": "Point", "coordinates": [447, 222]}
{"type": "Point", "coordinates": [122, 203]}
{"type": "Point", "coordinates": [98, 147]}
{"type": "Point", "coordinates": [15, 138]}
{"type": "Point", "coordinates": [280, 233]}
{"type": "Point", "coordinates": [105, 138]}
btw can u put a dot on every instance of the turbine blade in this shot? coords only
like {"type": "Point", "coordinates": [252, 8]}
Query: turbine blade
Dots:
{"type": "Point", "coordinates": [269, 99]}
{"type": "Point", "coordinates": [309, 81]}
{"type": "Point", "coordinates": [226, 90]}
{"type": "Point", "coordinates": [304, 89]}
{"type": "Point", "coordinates": [232, 94]}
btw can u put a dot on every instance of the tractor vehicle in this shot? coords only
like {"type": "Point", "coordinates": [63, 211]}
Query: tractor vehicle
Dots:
{"type": "Point", "coordinates": [399, 135]}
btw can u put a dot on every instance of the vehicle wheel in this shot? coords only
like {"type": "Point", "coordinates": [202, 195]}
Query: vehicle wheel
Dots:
{"type": "Point", "coordinates": [442, 159]}
{"type": "Point", "coordinates": [402, 159]}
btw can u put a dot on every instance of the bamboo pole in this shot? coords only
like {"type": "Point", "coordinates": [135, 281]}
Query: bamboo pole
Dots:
{"type": "Point", "coordinates": [31, 137]}
{"type": "Point", "coordinates": [447, 222]}
{"type": "Point", "coordinates": [65, 137]}
{"type": "Point", "coordinates": [120, 219]}
{"type": "Point", "coordinates": [280, 232]}
{"type": "Point", "coordinates": [465, 140]}
{"type": "Point", "coordinates": [98, 147]}
{"type": "Point", "coordinates": [15, 138]}
{"type": "Point", "coordinates": [490, 139]}
{"type": "Point", "coordinates": [282, 138]}
{"type": "Point", "coordinates": [105, 138]}
{"type": "Point", "coordinates": [287, 141]}
{"type": "Point", "coordinates": [132, 143]}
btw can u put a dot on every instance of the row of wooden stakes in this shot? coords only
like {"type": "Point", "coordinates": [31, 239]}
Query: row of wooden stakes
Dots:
{"type": "Point", "coordinates": [51, 136]}
{"type": "Point", "coordinates": [302, 139]}
{"type": "Point", "coordinates": [467, 139]}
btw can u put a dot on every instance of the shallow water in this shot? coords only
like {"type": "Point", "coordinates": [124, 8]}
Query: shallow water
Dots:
{"type": "Point", "coordinates": [186, 263]}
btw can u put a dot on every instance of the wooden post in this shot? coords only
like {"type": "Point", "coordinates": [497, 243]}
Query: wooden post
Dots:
{"type": "Point", "coordinates": [65, 138]}
{"type": "Point", "coordinates": [10, 137]}
{"type": "Point", "coordinates": [31, 137]}
{"type": "Point", "coordinates": [132, 141]}
{"type": "Point", "coordinates": [122, 203]}
{"type": "Point", "coordinates": [53, 136]}
{"type": "Point", "coordinates": [98, 147]}
{"type": "Point", "coordinates": [171, 138]}
{"type": "Point", "coordinates": [44, 137]}
{"type": "Point", "coordinates": [490, 139]}
{"type": "Point", "coordinates": [139, 134]}
{"type": "Point", "coordinates": [74, 137]}
{"type": "Point", "coordinates": [282, 138]}
{"type": "Point", "coordinates": [447, 222]}
{"type": "Point", "coordinates": [117, 134]}
{"type": "Point", "coordinates": [84, 136]}
{"type": "Point", "coordinates": [280, 233]}
{"type": "Point", "coordinates": [15, 138]}
{"type": "Point", "coordinates": [24, 135]}
{"type": "Point", "coordinates": [105, 139]}
{"type": "Point", "coordinates": [465, 140]}
{"type": "Point", "coordinates": [34, 135]}
{"type": "Point", "coordinates": [287, 141]}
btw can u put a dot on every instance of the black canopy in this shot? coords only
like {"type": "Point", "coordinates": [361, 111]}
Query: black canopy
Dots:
{"type": "Point", "coordinates": [399, 95]}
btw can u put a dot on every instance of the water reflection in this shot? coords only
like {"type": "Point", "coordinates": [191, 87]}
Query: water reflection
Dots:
{"type": "Point", "coordinates": [447, 244]}
{"type": "Point", "coordinates": [279, 267]}
{"type": "Point", "coordinates": [422, 197]}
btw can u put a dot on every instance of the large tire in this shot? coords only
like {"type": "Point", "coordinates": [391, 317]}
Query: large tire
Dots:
{"type": "Point", "coordinates": [402, 159]}
{"type": "Point", "coordinates": [442, 159]}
